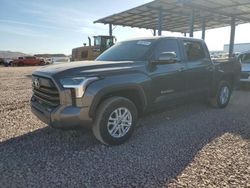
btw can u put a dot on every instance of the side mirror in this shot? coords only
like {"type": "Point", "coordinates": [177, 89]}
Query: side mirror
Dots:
{"type": "Point", "coordinates": [167, 58]}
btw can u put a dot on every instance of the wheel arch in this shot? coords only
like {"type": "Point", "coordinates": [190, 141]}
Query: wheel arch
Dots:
{"type": "Point", "coordinates": [134, 93]}
{"type": "Point", "coordinates": [228, 77]}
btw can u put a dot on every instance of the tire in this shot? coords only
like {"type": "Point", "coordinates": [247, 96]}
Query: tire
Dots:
{"type": "Point", "coordinates": [223, 95]}
{"type": "Point", "coordinates": [105, 122]}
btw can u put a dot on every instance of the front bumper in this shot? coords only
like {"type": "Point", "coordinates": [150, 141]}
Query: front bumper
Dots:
{"type": "Point", "coordinates": [62, 117]}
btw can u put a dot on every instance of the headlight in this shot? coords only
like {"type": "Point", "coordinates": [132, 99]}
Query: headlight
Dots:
{"type": "Point", "coordinates": [78, 84]}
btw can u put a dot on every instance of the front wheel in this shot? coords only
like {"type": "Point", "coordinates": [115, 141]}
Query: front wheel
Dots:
{"type": "Point", "coordinates": [115, 121]}
{"type": "Point", "coordinates": [223, 95]}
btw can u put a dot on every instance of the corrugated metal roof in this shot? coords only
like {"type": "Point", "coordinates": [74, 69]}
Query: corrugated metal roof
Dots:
{"type": "Point", "coordinates": [176, 14]}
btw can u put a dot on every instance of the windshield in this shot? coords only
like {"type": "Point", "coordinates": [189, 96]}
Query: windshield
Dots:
{"type": "Point", "coordinates": [97, 41]}
{"type": "Point", "coordinates": [127, 51]}
{"type": "Point", "coordinates": [245, 58]}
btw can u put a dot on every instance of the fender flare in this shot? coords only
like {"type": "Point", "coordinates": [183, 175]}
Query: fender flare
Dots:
{"type": "Point", "coordinates": [107, 92]}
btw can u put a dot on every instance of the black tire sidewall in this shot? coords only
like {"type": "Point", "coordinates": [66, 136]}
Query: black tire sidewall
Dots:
{"type": "Point", "coordinates": [221, 85]}
{"type": "Point", "coordinates": [116, 103]}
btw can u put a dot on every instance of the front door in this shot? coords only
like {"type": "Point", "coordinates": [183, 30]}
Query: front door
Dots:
{"type": "Point", "coordinates": [168, 80]}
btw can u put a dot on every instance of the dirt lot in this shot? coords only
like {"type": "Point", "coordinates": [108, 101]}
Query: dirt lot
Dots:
{"type": "Point", "coordinates": [188, 146]}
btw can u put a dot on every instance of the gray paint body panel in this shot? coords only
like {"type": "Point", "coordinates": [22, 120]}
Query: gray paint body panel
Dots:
{"type": "Point", "coordinates": [156, 85]}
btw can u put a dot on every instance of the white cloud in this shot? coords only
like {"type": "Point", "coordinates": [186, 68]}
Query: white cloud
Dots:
{"type": "Point", "coordinates": [23, 31]}
{"type": "Point", "coordinates": [63, 17]}
{"type": "Point", "coordinates": [18, 23]}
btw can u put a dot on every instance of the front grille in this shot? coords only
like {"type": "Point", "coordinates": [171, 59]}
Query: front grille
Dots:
{"type": "Point", "coordinates": [245, 75]}
{"type": "Point", "coordinates": [45, 92]}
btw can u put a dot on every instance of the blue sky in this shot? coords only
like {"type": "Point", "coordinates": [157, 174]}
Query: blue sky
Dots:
{"type": "Point", "coordinates": [57, 26]}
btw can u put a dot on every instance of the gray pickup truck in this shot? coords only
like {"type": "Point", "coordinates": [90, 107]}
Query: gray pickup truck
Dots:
{"type": "Point", "coordinates": [127, 80]}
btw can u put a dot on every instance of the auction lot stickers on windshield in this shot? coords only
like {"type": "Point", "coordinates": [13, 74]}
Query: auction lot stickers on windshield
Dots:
{"type": "Point", "coordinates": [145, 43]}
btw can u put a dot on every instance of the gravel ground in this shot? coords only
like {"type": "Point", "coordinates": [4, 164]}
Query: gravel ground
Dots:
{"type": "Point", "coordinates": [187, 146]}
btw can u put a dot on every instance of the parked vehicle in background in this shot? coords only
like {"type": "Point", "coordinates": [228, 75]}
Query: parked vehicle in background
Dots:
{"type": "Point", "coordinates": [244, 58]}
{"type": "Point", "coordinates": [7, 62]}
{"type": "Point", "coordinates": [27, 60]}
{"type": "Point", "coordinates": [129, 79]}
{"type": "Point", "coordinates": [52, 58]}
{"type": "Point", "coordinates": [61, 59]}
{"type": "Point", "coordinates": [48, 61]}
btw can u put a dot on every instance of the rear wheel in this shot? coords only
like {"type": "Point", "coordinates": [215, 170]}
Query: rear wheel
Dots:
{"type": "Point", "coordinates": [223, 95]}
{"type": "Point", "coordinates": [115, 121]}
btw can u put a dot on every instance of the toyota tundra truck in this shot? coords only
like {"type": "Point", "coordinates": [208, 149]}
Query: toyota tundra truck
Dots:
{"type": "Point", "coordinates": [129, 79]}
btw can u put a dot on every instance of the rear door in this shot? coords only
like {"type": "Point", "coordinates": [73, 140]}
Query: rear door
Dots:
{"type": "Point", "coordinates": [168, 80]}
{"type": "Point", "coordinates": [26, 60]}
{"type": "Point", "coordinates": [32, 60]}
{"type": "Point", "coordinates": [199, 71]}
{"type": "Point", "coordinates": [21, 60]}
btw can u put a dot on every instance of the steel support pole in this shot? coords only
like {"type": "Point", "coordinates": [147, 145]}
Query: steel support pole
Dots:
{"type": "Point", "coordinates": [159, 22]}
{"type": "Point", "coordinates": [154, 32]}
{"type": "Point", "coordinates": [232, 36]}
{"type": "Point", "coordinates": [203, 28]}
{"type": "Point", "coordinates": [110, 30]}
{"type": "Point", "coordinates": [191, 24]}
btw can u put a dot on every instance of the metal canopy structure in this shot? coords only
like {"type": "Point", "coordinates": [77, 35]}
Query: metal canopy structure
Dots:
{"type": "Point", "coordinates": [185, 16]}
{"type": "Point", "coordinates": [176, 14]}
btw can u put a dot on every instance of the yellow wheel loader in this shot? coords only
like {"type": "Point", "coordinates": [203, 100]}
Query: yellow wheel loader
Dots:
{"type": "Point", "coordinates": [101, 43]}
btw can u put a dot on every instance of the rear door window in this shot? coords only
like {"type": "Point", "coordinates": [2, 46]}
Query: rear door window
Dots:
{"type": "Point", "coordinates": [194, 51]}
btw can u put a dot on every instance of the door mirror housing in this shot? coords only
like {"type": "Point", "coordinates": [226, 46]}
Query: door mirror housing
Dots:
{"type": "Point", "coordinates": [166, 58]}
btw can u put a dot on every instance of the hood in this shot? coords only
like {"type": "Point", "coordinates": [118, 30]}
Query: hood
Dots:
{"type": "Point", "coordinates": [88, 68]}
{"type": "Point", "coordinates": [245, 67]}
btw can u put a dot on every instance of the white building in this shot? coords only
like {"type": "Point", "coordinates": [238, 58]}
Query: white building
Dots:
{"type": "Point", "coordinates": [241, 47]}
